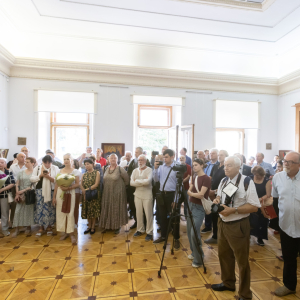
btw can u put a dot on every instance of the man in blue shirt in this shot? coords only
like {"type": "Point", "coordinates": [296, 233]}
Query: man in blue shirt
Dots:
{"type": "Point", "coordinates": [213, 155]}
{"type": "Point", "coordinates": [167, 189]}
{"type": "Point", "coordinates": [266, 166]}
{"type": "Point", "coordinates": [188, 160]}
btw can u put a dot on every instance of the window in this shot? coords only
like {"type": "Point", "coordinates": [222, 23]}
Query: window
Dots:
{"type": "Point", "coordinates": [69, 133]}
{"type": "Point", "coordinates": [236, 125]}
{"type": "Point", "coordinates": [231, 140]}
{"type": "Point", "coordinates": [154, 116]}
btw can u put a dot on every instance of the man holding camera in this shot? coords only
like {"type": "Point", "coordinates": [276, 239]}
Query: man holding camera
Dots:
{"type": "Point", "coordinates": [164, 174]}
{"type": "Point", "coordinates": [236, 199]}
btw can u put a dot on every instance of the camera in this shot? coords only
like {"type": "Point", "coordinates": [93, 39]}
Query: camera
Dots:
{"type": "Point", "coordinates": [216, 208]}
{"type": "Point", "coordinates": [160, 163]}
{"type": "Point", "coordinates": [154, 153]}
{"type": "Point", "coordinates": [180, 168]}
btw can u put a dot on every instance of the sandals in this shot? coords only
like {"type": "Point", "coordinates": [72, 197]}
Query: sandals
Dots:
{"type": "Point", "coordinates": [92, 231]}
{"type": "Point", "coordinates": [40, 233]}
{"type": "Point", "coordinates": [87, 231]}
{"type": "Point", "coordinates": [64, 236]}
{"type": "Point", "coordinates": [73, 239]}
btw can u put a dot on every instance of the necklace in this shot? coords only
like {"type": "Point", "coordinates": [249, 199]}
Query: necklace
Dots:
{"type": "Point", "coordinates": [112, 171]}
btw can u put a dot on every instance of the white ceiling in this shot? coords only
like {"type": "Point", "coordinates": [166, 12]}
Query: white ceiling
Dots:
{"type": "Point", "coordinates": [160, 33]}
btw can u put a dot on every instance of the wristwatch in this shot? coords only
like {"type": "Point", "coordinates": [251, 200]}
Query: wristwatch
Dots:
{"type": "Point", "coordinates": [236, 211]}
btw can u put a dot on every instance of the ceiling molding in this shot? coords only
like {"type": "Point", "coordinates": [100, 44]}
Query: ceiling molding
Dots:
{"type": "Point", "coordinates": [6, 61]}
{"type": "Point", "coordinates": [128, 75]}
{"type": "Point", "coordinates": [235, 4]}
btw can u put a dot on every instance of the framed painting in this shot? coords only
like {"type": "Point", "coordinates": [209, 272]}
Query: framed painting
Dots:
{"type": "Point", "coordinates": [3, 153]}
{"type": "Point", "coordinates": [109, 148]}
{"type": "Point", "coordinates": [282, 153]}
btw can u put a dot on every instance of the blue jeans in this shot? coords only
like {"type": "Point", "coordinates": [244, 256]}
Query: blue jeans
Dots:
{"type": "Point", "coordinates": [198, 214]}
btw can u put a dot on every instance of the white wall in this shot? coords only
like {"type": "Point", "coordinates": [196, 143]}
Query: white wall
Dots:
{"type": "Point", "coordinates": [199, 110]}
{"type": "Point", "coordinates": [114, 121]}
{"type": "Point", "coordinates": [4, 113]}
{"type": "Point", "coordinates": [287, 119]}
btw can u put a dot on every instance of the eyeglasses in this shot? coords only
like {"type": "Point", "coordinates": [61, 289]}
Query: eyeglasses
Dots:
{"type": "Point", "coordinates": [288, 162]}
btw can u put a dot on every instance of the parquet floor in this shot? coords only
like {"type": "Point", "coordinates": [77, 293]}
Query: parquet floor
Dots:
{"type": "Point", "coordinates": [105, 266]}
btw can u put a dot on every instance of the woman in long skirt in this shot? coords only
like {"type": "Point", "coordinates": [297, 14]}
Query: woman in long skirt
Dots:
{"type": "Point", "coordinates": [114, 200]}
{"type": "Point", "coordinates": [24, 214]}
{"type": "Point", "coordinates": [44, 178]}
{"type": "Point", "coordinates": [65, 222]}
{"type": "Point", "coordinates": [91, 208]}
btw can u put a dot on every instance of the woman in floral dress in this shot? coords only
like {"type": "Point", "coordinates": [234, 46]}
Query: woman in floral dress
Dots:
{"type": "Point", "coordinates": [24, 214]}
{"type": "Point", "coordinates": [90, 209]}
{"type": "Point", "coordinates": [43, 177]}
{"type": "Point", "coordinates": [114, 200]}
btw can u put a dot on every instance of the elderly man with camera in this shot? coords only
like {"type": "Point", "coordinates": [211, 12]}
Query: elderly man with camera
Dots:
{"type": "Point", "coordinates": [166, 176]}
{"type": "Point", "coordinates": [236, 199]}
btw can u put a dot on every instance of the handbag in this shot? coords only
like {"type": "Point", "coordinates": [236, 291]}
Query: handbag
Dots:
{"type": "Point", "coordinates": [66, 205]}
{"type": "Point", "coordinates": [30, 196]}
{"type": "Point", "coordinates": [91, 194]}
{"type": "Point", "coordinates": [207, 204]}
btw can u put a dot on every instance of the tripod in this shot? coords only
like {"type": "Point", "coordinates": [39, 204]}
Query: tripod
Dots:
{"type": "Point", "coordinates": [175, 214]}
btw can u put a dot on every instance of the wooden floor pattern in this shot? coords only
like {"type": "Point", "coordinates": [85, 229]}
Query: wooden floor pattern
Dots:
{"type": "Point", "coordinates": [108, 266]}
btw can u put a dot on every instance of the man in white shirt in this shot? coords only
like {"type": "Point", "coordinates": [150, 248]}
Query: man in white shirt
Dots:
{"type": "Point", "coordinates": [16, 169]}
{"type": "Point", "coordinates": [286, 187]}
{"type": "Point", "coordinates": [234, 228]}
{"type": "Point", "coordinates": [25, 150]}
{"type": "Point", "coordinates": [128, 158]}
{"type": "Point", "coordinates": [141, 179]}
{"type": "Point", "coordinates": [19, 166]}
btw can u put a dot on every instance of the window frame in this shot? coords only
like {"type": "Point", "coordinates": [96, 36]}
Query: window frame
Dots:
{"type": "Point", "coordinates": [241, 130]}
{"type": "Point", "coordinates": [155, 107]}
{"type": "Point", "coordinates": [54, 125]}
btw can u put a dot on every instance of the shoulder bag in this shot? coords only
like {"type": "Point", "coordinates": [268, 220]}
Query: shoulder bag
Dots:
{"type": "Point", "coordinates": [29, 195]}
{"type": "Point", "coordinates": [205, 203]}
{"type": "Point", "coordinates": [91, 194]}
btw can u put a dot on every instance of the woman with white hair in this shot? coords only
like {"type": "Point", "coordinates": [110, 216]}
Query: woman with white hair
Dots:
{"type": "Point", "coordinates": [8, 185]}
{"type": "Point", "coordinates": [114, 200]}
{"type": "Point", "coordinates": [65, 222]}
{"type": "Point", "coordinates": [43, 177]}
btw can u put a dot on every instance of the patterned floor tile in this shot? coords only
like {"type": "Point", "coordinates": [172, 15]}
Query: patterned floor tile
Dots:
{"type": "Point", "coordinates": [73, 287]}
{"type": "Point", "coordinates": [45, 268]}
{"type": "Point", "coordinates": [80, 266]}
{"type": "Point", "coordinates": [13, 270]}
{"type": "Point", "coordinates": [116, 284]}
{"type": "Point", "coordinates": [33, 289]}
{"type": "Point", "coordinates": [114, 263]}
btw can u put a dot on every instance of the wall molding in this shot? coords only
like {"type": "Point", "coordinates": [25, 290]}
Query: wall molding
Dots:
{"type": "Point", "coordinates": [143, 76]}
{"type": "Point", "coordinates": [235, 4]}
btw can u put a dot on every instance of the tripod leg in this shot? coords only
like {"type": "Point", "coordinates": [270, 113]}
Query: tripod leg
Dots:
{"type": "Point", "coordinates": [165, 247]}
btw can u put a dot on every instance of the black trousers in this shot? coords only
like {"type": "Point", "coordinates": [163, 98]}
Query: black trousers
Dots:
{"type": "Point", "coordinates": [207, 221]}
{"type": "Point", "coordinates": [290, 248]}
{"type": "Point", "coordinates": [130, 199]}
{"type": "Point", "coordinates": [214, 218]}
{"type": "Point", "coordinates": [165, 212]}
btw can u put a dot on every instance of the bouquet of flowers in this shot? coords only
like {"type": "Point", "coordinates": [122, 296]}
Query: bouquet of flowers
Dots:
{"type": "Point", "coordinates": [3, 178]}
{"type": "Point", "coordinates": [64, 180]}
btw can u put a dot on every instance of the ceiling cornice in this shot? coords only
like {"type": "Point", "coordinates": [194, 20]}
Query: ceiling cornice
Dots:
{"type": "Point", "coordinates": [235, 4]}
{"type": "Point", "coordinates": [144, 76]}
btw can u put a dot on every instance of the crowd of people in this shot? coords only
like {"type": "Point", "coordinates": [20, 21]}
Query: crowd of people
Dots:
{"type": "Point", "coordinates": [247, 197]}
